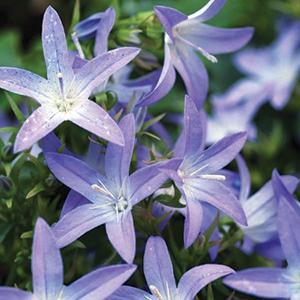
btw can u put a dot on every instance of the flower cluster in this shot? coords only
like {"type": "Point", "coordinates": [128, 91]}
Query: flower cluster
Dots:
{"type": "Point", "coordinates": [193, 177]}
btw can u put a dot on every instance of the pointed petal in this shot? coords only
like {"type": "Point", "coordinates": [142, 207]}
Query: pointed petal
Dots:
{"type": "Point", "coordinates": [158, 267]}
{"type": "Point", "coordinates": [55, 48]}
{"type": "Point", "coordinates": [194, 127]}
{"type": "Point", "coordinates": [25, 83]}
{"type": "Point", "coordinates": [288, 222]}
{"type": "Point", "coordinates": [103, 30]}
{"type": "Point", "coordinates": [261, 282]}
{"type": "Point", "coordinates": [42, 121]}
{"type": "Point", "coordinates": [192, 71]}
{"type": "Point", "coordinates": [93, 118]}
{"type": "Point", "coordinates": [131, 293]}
{"type": "Point", "coordinates": [80, 220]}
{"type": "Point", "coordinates": [216, 194]}
{"type": "Point", "coordinates": [193, 222]}
{"type": "Point", "coordinates": [212, 39]}
{"type": "Point", "coordinates": [122, 236]}
{"type": "Point", "coordinates": [73, 200]}
{"type": "Point", "coordinates": [99, 69]}
{"type": "Point", "coordinates": [209, 10]}
{"type": "Point", "coordinates": [169, 17]}
{"type": "Point", "coordinates": [47, 266]}
{"type": "Point", "coordinates": [87, 27]}
{"type": "Point", "coordinates": [222, 153]}
{"type": "Point", "coordinates": [118, 158]}
{"type": "Point", "coordinates": [245, 180]}
{"type": "Point", "coordinates": [99, 284]}
{"type": "Point", "coordinates": [14, 294]}
{"type": "Point", "coordinates": [145, 182]}
{"type": "Point", "coordinates": [164, 84]}
{"type": "Point", "coordinates": [198, 277]}
{"type": "Point", "coordinates": [75, 174]}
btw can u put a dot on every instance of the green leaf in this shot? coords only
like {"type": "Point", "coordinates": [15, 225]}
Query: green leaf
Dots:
{"type": "Point", "coordinates": [27, 235]}
{"type": "Point", "coordinates": [210, 295]}
{"type": "Point", "coordinates": [36, 190]}
{"type": "Point", "coordinates": [8, 129]}
{"type": "Point", "coordinates": [152, 121]}
{"type": "Point", "coordinates": [19, 115]}
{"type": "Point", "coordinates": [76, 14]}
{"type": "Point", "coordinates": [4, 230]}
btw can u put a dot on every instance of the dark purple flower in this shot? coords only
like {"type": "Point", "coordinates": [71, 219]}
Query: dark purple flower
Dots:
{"type": "Point", "coordinates": [159, 275]}
{"type": "Point", "coordinates": [187, 34]}
{"type": "Point", "coordinates": [64, 95]}
{"type": "Point", "coordinates": [110, 197]}
{"type": "Point", "coordinates": [47, 274]}
{"type": "Point", "coordinates": [276, 282]}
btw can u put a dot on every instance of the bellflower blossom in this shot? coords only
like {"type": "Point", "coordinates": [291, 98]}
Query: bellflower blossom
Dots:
{"type": "Point", "coordinates": [185, 34]}
{"type": "Point", "coordinates": [111, 197]}
{"type": "Point", "coordinates": [272, 70]}
{"type": "Point", "coordinates": [261, 210]}
{"type": "Point", "coordinates": [159, 275]}
{"type": "Point", "coordinates": [198, 175]}
{"type": "Point", "coordinates": [64, 95]}
{"type": "Point", "coordinates": [47, 274]}
{"type": "Point", "coordinates": [276, 282]}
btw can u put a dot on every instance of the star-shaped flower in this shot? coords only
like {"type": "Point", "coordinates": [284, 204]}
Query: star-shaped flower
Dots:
{"type": "Point", "coordinates": [110, 196]}
{"type": "Point", "coordinates": [187, 34]}
{"type": "Point", "coordinates": [276, 283]}
{"type": "Point", "coordinates": [64, 94]}
{"type": "Point", "coordinates": [199, 177]}
{"type": "Point", "coordinates": [272, 70]}
{"type": "Point", "coordinates": [159, 275]}
{"type": "Point", "coordinates": [47, 274]}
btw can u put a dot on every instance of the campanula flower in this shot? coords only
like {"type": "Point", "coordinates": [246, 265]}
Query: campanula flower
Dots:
{"type": "Point", "coordinates": [47, 274]}
{"type": "Point", "coordinates": [110, 197]}
{"type": "Point", "coordinates": [64, 95]}
{"type": "Point", "coordinates": [198, 175]}
{"type": "Point", "coordinates": [272, 70]}
{"type": "Point", "coordinates": [160, 278]}
{"type": "Point", "coordinates": [186, 34]}
{"type": "Point", "coordinates": [276, 283]}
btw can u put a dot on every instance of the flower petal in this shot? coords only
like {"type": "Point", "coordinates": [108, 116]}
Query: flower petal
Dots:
{"type": "Point", "coordinates": [93, 118]}
{"type": "Point", "coordinates": [164, 83]}
{"type": "Point", "coordinates": [122, 236]}
{"type": "Point", "coordinates": [216, 194]}
{"type": "Point", "coordinates": [118, 158]}
{"type": "Point", "coordinates": [55, 49]}
{"type": "Point", "coordinates": [261, 282]}
{"type": "Point", "coordinates": [80, 220]}
{"type": "Point", "coordinates": [209, 10]}
{"type": "Point", "coordinates": [98, 284]}
{"type": "Point", "coordinates": [14, 294]}
{"type": "Point", "coordinates": [158, 267]}
{"type": "Point", "coordinates": [104, 28]}
{"type": "Point", "coordinates": [73, 200]}
{"type": "Point", "coordinates": [47, 266]}
{"type": "Point", "coordinates": [25, 83]}
{"type": "Point", "coordinates": [193, 222]}
{"type": "Point", "coordinates": [198, 277]}
{"type": "Point", "coordinates": [132, 293]}
{"type": "Point", "coordinates": [245, 180]}
{"type": "Point", "coordinates": [212, 39]}
{"type": "Point", "coordinates": [169, 17]}
{"type": "Point", "coordinates": [288, 222]}
{"type": "Point", "coordinates": [42, 121]}
{"type": "Point", "coordinates": [192, 71]}
{"type": "Point", "coordinates": [97, 70]}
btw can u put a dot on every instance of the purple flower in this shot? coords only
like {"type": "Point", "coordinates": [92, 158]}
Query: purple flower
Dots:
{"type": "Point", "coordinates": [276, 282]}
{"type": "Point", "coordinates": [262, 207]}
{"type": "Point", "coordinates": [47, 274]}
{"type": "Point", "coordinates": [64, 95]}
{"type": "Point", "coordinates": [198, 174]}
{"type": "Point", "coordinates": [272, 70]}
{"type": "Point", "coordinates": [187, 34]}
{"type": "Point", "coordinates": [159, 275]}
{"type": "Point", "coordinates": [110, 197]}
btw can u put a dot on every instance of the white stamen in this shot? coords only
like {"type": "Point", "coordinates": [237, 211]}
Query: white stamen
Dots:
{"type": "Point", "coordinates": [213, 177]}
{"type": "Point", "coordinates": [155, 292]}
{"type": "Point", "coordinates": [77, 44]}
{"type": "Point", "coordinates": [198, 170]}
